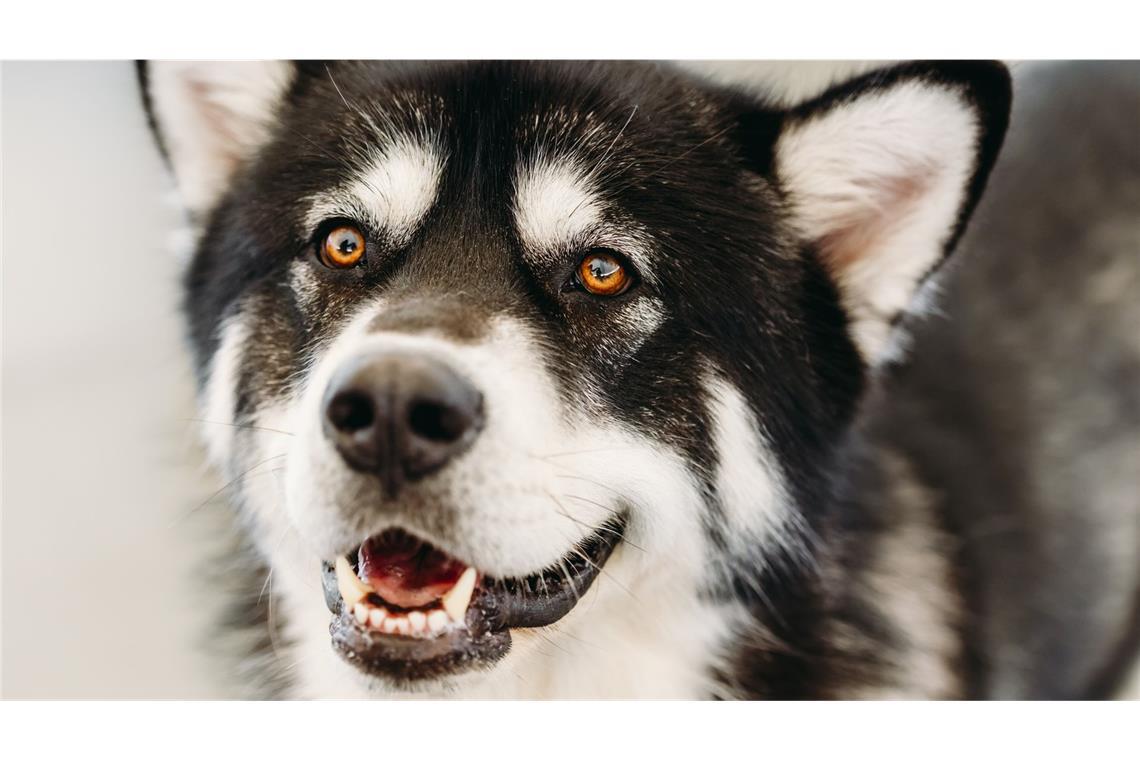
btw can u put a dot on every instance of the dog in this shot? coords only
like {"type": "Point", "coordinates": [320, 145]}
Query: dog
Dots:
{"type": "Point", "coordinates": [571, 379]}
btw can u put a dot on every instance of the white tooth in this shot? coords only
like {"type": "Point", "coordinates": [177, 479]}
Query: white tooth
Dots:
{"type": "Point", "coordinates": [401, 626]}
{"type": "Point", "coordinates": [376, 617]}
{"type": "Point", "coordinates": [361, 613]}
{"type": "Point", "coordinates": [352, 589]}
{"type": "Point", "coordinates": [457, 598]}
{"type": "Point", "coordinates": [417, 621]}
{"type": "Point", "coordinates": [437, 620]}
{"type": "Point", "coordinates": [389, 625]}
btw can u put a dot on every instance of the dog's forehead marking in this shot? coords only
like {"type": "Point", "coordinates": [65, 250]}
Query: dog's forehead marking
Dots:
{"type": "Point", "coordinates": [559, 208]}
{"type": "Point", "coordinates": [555, 202]}
{"type": "Point", "coordinates": [393, 190]}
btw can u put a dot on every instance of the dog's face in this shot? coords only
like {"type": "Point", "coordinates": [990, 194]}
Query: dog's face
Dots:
{"type": "Point", "coordinates": [501, 356]}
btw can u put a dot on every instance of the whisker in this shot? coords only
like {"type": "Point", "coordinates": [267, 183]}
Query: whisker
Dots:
{"type": "Point", "coordinates": [715, 135]}
{"type": "Point", "coordinates": [585, 137]}
{"type": "Point", "coordinates": [599, 505]}
{"type": "Point", "coordinates": [269, 575]}
{"type": "Point", "coordinates": [609, 149]}
{"type": "Point", "coordinates": [570, 517]}
{"type": "Point", "coordinates": [621, 536]}
{"type": "Point", "coordinates": [556, 628]}
{"type": "Point", "coordinates": [237, 425]}
{"type": "Point", "coordinates": [597, 483]}
{"type": "Point", "coordinates": [551, 641]}
{"type": "Point", "coordinates": [589, 480]}
{"type": "Point", "coordinates": [233, 482]}
{"type": "Point", "coordinates": [339, 160]}
{"type": "Point", "coordinates": [581, 451]}
{"type": "Point", "coordinates": [566, 574]}
{"type": "Point", "coordinates": [268, 578]}
{"type": "Point", "coordinates": [337, 88]}
{"type": "Point", "coordinates": [591, 502]}
{"type": "Point", "coordinates": [601, 570]}
{"type": "Point", "coordinates": [561, 509]}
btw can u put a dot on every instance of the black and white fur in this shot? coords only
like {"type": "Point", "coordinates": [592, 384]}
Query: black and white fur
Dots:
{"type": "Point", "coordinates": [783, 538]}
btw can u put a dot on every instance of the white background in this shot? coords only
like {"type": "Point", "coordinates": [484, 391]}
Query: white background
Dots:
{"type": "Point", "coordinates": [100, 469]}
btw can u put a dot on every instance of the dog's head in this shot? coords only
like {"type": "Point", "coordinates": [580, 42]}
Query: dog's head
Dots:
{"type": "Point", "coordinates": [488, 348]}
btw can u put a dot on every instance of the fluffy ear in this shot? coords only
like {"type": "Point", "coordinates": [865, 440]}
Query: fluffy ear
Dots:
{"type": "Point", "coordinates": [881, 175]}
{"type": "Point", "coordinates": [209, 116]}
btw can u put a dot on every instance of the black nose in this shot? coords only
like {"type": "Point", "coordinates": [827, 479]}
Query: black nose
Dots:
{"type": "Point", "coordinates": [400, 416]}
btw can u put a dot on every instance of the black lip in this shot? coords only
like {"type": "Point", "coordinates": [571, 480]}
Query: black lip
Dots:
{"type": "Point", "coordinates": [497, 605]}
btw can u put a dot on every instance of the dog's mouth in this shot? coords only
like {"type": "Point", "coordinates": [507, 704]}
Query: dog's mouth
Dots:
{"type": "Point", "coordinates": [407, 611]}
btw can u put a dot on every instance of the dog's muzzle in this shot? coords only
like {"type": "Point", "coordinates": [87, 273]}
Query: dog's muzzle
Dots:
{"type": "Point", "coordinates": [402, 608]}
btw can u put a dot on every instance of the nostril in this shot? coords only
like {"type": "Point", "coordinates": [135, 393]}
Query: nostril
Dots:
{"type": "Point", "coordinates": [351, 411]}
{"type": "Point", "coordinates": [400, 416]}
{"type": "Point", "coordinates": [437, 422]}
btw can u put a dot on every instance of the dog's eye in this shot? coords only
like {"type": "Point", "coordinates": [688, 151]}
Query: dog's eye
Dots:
{"type": "Point", "coordinates": [342, 248]}
{"type": "Point", "coordinates": [602, 274]}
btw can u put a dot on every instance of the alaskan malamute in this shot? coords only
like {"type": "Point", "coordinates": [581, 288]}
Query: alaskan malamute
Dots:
{"type": "Point", "coordinates": [601, 380]}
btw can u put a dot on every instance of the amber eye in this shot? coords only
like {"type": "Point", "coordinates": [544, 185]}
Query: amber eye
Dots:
{"type": "Point", "coordinates": [602, 274]}
{"type": "Point", "coordinates": [342, 248]}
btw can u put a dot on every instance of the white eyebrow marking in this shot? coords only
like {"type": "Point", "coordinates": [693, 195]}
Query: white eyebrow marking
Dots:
{"type": "Point", "coordinates": [393, 194]}
{"type": "Point", "coordinates": [556, 204]}
{"type": "Point", "coordinates": [559, 209]}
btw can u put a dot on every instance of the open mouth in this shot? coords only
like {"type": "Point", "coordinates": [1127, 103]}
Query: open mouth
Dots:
{"type": "Point", "coordinates": [408, 611]}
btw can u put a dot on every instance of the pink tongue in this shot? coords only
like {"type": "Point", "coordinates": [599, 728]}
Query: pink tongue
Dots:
{"type": "Point", "coordinates": [406, 572]}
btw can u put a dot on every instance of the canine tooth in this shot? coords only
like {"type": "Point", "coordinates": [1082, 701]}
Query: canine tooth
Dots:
{"type": "Point", "coordinates": [361, 613]}
{"type": "Point", "coordinates": [417, 621]}
{"type": "Point", "coordinates": [457, 598]}
{"type": "Point", "coordinates": [437, 620]}
{"type": "Point", "coordinates": [351, 588]}
{"type": "Point", "coordinates": [376, 617]}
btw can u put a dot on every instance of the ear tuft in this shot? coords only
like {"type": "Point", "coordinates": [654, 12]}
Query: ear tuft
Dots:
{"type": "Point", "coordinates": [210, 116]}
{"type": "Point", "coordinates": [881, 175]}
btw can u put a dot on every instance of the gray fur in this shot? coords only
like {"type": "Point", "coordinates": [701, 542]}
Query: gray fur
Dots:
{"type": "Point", "coordinates": [1021, 405]}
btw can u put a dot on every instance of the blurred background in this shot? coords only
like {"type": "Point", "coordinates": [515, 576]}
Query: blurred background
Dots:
{"type": "Point", "coordinates": [101, 475]}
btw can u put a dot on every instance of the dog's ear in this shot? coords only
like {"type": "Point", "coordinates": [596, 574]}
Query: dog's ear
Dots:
{"type": "Point", "coordinates": [880, 175]}
{"type": "Point", "coordinates": [209, 117]}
